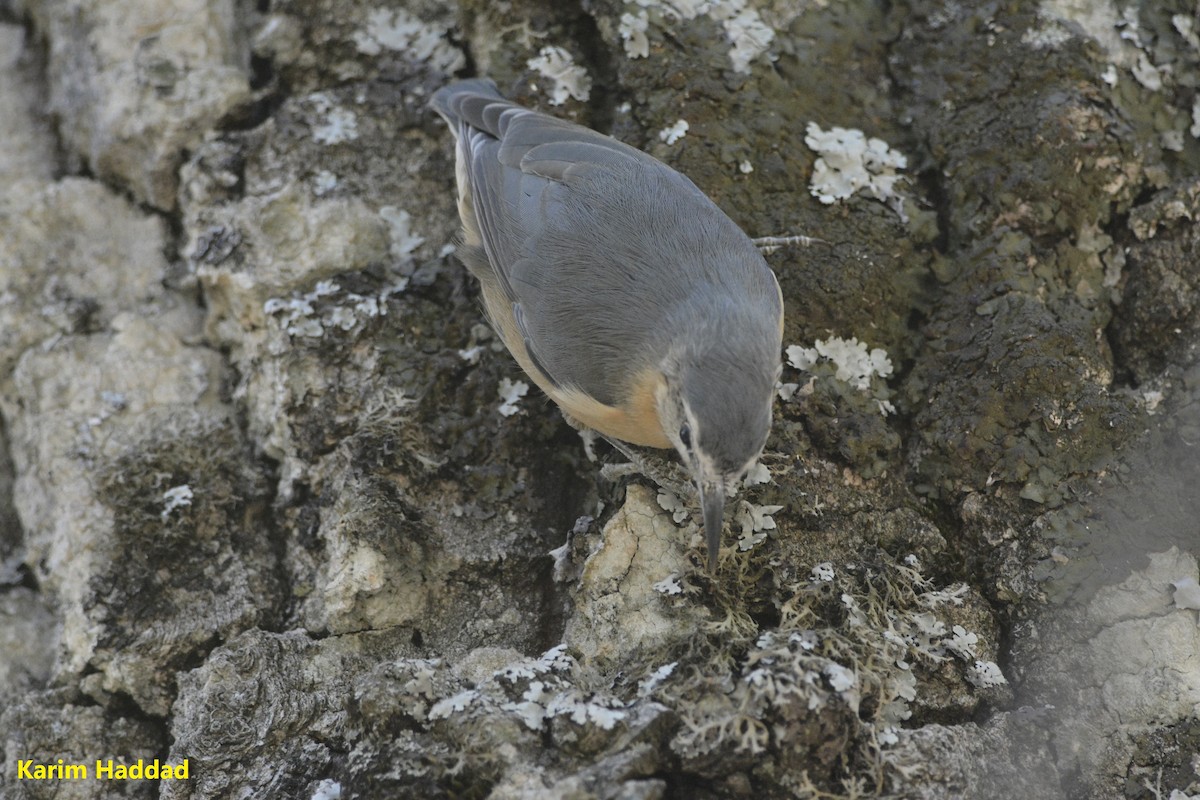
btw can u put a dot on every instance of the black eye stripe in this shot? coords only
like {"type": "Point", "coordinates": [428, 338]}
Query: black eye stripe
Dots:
{"type": "Point", "coordinates": [685, 435]}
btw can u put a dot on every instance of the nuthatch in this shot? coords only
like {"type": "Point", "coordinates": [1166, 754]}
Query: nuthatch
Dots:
{"type": "Point", "coordinates": [635, 303]}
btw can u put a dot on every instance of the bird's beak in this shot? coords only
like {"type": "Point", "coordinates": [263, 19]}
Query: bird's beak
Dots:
{"type": "Point", "coordinates": [712, 502]}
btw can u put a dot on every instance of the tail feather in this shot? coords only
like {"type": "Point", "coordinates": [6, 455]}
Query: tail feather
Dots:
{"type": "Point", "coordinates": [476, 102]}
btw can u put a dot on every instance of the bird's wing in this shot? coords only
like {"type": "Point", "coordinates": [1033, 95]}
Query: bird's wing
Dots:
{"type": "Point", "coordinates": [513, 155]}
{"type": "Point", "coordinates": [565, 214]}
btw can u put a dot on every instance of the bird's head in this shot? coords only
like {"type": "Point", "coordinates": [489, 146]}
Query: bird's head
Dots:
{"type": "Point", "coordinates": [715, 407]}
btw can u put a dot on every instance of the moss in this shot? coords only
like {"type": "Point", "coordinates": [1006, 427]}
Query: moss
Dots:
{"type": "Point", "coordinates": [1163, 762]}
{"type": "Point", "coordinates": [805, 698]}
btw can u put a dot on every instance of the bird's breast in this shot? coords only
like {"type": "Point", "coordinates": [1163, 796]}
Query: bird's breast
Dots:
{"type": "Point", "coordinates": [635, 420]}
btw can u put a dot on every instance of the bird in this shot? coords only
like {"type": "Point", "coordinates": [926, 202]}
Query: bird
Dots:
{"type": "Point", "coordinates": [637, 305]}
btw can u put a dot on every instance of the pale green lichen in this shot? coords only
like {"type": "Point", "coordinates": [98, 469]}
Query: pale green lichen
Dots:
{"type": "Point", "coordinates": [863, 671]}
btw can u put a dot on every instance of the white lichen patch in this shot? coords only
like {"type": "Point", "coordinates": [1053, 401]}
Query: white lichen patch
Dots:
{"type": "Point", "coordinates": [928, 636]}
{"type": "Point", "coordinates": [669, 585]}
{"type": "Point", "coordinates": [668, 501]}
{"type": "Point", "coordinates": [863, 662]}
{"type": "Point", "coordinates": [754, 521]}
{"type": "Point", "coordinates": [805, 640]}
{"type": "Point", "coordinates": [673, 133]}
{"type": "Point", "coordinates": [840, 678]}
{"type": "Point", "coordinates": [531, 690]}
{"type": "Point", "coordinates": [787, 391]}
{"type": "Point", "coordinates": [1186, 27]}
{"type": "Point", "coordinates": [568, 79]}
{"type": "Point", "coordinates": [1049, 36]}
{"type": "Point", "coordinates": [822, 573]}
{"type": "Point", "coordinates": [471, 355]}
{"type": "Point", "coordinates": [399, 31]}
{"type": "Point", "coordinates": [327, 307]}
{"type": "Point", "coordinates": [176, 497]}
{"type": "Point", "coordinates": [1118, 32]}
{"type": "Point", "coordinates": [952, 595]}
{"type": "Point", "coordinates": [324, 182]}
{"type": "Point", "coordinates": [473, 352]}
{"type": "Point", "coordinates": [553, 660]}
{"type": "Point", "coordinates": [1098, 19]}
{"type": "Point", "coordinates": [850, 162]}
{"type": "Point", "coordinates": [855, 616]}
{"type": "Point", "coordinates": [1146, 73]}
{"type": "Point", "coordinates": [455, 704]}
{"type": "Point", "coordinates": [757, 475]}
{"type": "Point", "coordinates": [339, 124]}
{"type": "Point", "coordinates": [904, 685]}
{"type": "Point", "coordinates": [582, 710]}
{"type": "Point", "coordinates": [632, 28]}
{"type": "Point", "coordinates": [511, 393]}
{"type": "Point", "coordinates": [925, 633]}
{"type": "Point", "coordinates": [531, 708]}
{"type": "Point", "coordinates": [404, 240]}
{"type": "Point", "coordinates": [887, 736]}
{"type": "Point", "coordinates": [1172, 140]}
{"type": "Point", "coordinates": [1187, 593]}
{"type": "Point", "coordinates": [655, 679]}
{"type": "Point", "coordinates": [985, 674]}
{"type": "Point", "coordinates": [854, 363]}
{"type": "Point", "coordinates": [962, 642]}
{"type": "Point", "coordinates": [327, 789]}
{"type": "Point", "coordinates": [749, 35]}
{"type": "Point", "coordinates": [746, 31]}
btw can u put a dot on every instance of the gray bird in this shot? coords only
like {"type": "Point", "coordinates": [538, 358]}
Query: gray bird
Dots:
{"type": "Point", "coordinates": [634, 302]}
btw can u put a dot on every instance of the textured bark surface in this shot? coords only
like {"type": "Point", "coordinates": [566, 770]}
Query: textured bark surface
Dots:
{"type": "Point", "coordinates": [268, 503]}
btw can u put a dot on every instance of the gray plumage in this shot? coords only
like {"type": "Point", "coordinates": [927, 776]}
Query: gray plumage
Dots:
{"type": "Point", "coordinates": [604, 250]}
{"type": "Point", "coordinates": [614, 262]}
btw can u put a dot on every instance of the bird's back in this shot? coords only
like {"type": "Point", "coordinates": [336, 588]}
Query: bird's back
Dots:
{"type": "Point", "coordinates": [608, 254]}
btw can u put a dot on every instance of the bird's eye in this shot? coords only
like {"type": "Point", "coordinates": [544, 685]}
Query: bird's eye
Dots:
{"type": "Point", "coordinates": [685, 436]}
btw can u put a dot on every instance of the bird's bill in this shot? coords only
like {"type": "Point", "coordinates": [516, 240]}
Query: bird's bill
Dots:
{"type": "Point", "coordinates": [712, 502]}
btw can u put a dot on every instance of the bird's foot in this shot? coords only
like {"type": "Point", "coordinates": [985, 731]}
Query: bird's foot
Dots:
{"type": "Point", "coordinates": [586, 435]}
{"type": "Point", "coordinates": [769, 244]}
{"type": "Point", "coordinates": [667, 474]}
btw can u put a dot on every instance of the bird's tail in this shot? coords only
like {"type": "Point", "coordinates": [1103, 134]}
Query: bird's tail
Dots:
{"type": "Point", "coordinates": [463, 99]}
